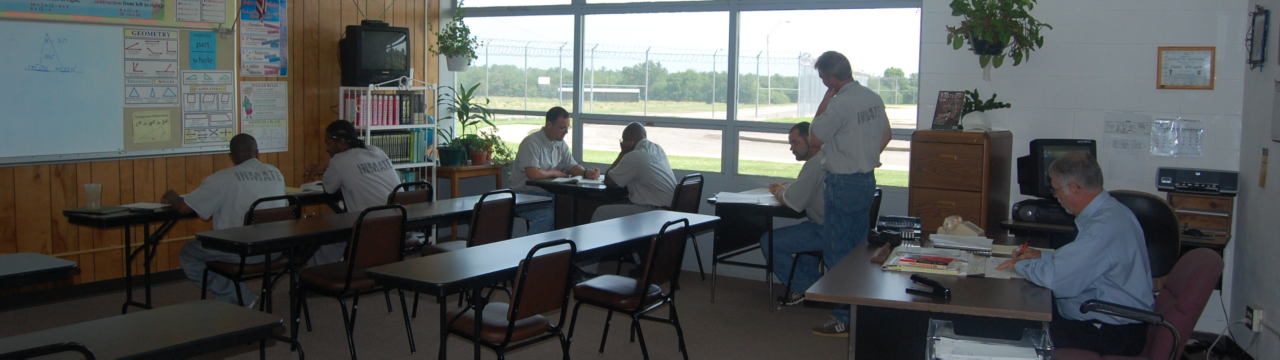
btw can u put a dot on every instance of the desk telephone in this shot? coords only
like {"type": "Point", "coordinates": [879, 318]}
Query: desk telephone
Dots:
{"type": "Point", "coordinates": [955, 225]}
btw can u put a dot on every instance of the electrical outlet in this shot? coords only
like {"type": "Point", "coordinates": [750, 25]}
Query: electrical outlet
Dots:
{"type": "Point", "coordinates": [1253, 316]}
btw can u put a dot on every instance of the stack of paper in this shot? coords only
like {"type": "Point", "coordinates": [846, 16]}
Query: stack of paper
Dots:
{"type": "Point", "coordinates": [960, 265]}
{"type": "Point", "coordinates": [579, 180]}
{"type": "Point", "coordinates": [967, 243]}
{"type": "Point", "coordinates": [755, 196]}
{"type": "Point", "coordinates": [946, 348]}
{"type": "Point", "coordinates": [313, 186]}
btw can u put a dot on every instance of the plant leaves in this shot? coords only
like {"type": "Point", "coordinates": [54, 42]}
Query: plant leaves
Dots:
{"type": "Point", "coordinates": [984, 60]}
{"type": "Point", "coordinates": [997, 60]}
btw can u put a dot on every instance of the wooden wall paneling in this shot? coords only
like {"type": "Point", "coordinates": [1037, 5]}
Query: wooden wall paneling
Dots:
{"type": "Point", "coordinates": [62, 195]}
{"type": "Point", "coordinates": [126, 197]}
{"type": "Point", "coordinates": [34, 226]}
{"type": "Point", "coordinates": [175, 169]}
{"type": "Point", "coordinates": [85, 234]}
{"type": "Point", "coordinates": [108, 264]}
{"type": "Point", "coordinates": [311, 68]}
{"type": "Point", "coordinates": [8, 213]}
{"type": "Point", "coordinates": [197, 170]}
{"type": "Point", "coordinates": [433, 62]}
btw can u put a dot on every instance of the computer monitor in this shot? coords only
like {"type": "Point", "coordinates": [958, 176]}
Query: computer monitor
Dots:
{"type": "Point", "coordinates": [1033, 169]}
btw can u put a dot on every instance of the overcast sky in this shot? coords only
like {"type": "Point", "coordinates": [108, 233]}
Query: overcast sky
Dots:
{"type": "Point", "coordinates": [873, 39]}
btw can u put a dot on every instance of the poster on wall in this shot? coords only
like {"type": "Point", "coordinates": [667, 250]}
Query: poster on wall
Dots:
{"type": "Point", "coordinates": [150, 68]}
{"type": "Point", "coordinates": [208, 107]}
{"type": "Point", "coordinates": [1177, 137]}
{"type": "Point", "coordinates": [264, 40]}
{"type": "Point", "coordinates": [134, 9]}
{"type": "Point", "coordinates": [264, 113]}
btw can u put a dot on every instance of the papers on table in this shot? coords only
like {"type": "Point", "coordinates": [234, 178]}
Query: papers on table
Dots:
{"type": "Point", "coordinates": [991, 272]}
{"type": "Point", "coordinates": [145, 206]}
{"type": "Point", "coordinates": [967, 243]}
{"type": "Point", "coordinates": [947, 348]}
{"type": "Point", "coordinates": [755, 196]}
{"type": "Point", "coordinates": [313, 186]}
{"type": "Point", "coordinates": [579, 180]}
{"type": "Point", "coordinates": [960, 264]}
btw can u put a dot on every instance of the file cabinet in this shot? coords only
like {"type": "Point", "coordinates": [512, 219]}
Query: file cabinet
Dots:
{"type": "Point", "coordinates": [960, 173]}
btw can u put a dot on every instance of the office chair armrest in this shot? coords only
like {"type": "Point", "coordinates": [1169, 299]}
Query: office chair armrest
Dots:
{"type": "Point", "coordinates": [1121, 311]}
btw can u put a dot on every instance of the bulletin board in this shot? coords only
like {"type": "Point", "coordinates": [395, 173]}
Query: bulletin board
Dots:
{"type": "Point", "coordinates": [83, 86]}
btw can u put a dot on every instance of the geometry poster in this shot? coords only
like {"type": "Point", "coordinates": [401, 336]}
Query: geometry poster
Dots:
{"type": "Point", "coordinates": [208, 107]}
{"type": "Point", "coordinates": [150, 68]}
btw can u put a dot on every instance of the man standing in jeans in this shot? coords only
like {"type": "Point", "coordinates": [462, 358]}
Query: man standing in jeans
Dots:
{"type": "Point", "coordinates": [853, 130]}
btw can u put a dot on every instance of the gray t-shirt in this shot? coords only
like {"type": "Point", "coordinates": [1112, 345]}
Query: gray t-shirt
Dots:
{"type": "Point", "coordinates": [647, 175]}
{"type": "Point", "coordinates": [536, 150]}
{"type": "Point", "coordinates": [365, 177]}
{"type": "Point", "coordinates": [805, 193]}
{"type": "Point", "coordinates": [852, 128]}
{"type": "Point", "coordinates": [227, 194]}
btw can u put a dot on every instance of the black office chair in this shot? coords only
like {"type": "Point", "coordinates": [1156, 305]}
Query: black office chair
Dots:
{"type": "Point", "coordinates": [1159, 227]}
{"type": "Point", "coordinates": [874, 215]}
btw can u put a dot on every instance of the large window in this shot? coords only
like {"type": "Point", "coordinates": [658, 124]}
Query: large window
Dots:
{"type": "Point", "coordinates": [673, 65]}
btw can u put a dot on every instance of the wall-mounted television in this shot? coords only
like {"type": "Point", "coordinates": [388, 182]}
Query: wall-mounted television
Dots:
{"type": "Point", "coordinates": [372, 53]}
{"type": "Point", "coordinates": [1033, 169]}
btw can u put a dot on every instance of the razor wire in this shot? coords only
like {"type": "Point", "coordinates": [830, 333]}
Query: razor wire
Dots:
{"type": "Point", "coordinates": [550, 49]}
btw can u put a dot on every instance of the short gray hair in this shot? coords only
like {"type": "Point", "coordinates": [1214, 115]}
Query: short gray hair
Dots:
{"type": "Point", "coordinates": [1078, 167]}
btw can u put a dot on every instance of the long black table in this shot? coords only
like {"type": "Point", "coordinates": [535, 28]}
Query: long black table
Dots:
{"type": "Point", "coordinates": [22, 269]}
{"type": "Point", "coordinates": [303, 236]}
{"type": "Point", "coordinates": [170, 332]}
{"type": "Point", "coordinates": [576, 202]}
{"type": "Point", "coordinates": [167, 218]}
{"type": "Point", "coordinates": [452, 272]}
{"type": "Point", "coordinates": [739, 233]}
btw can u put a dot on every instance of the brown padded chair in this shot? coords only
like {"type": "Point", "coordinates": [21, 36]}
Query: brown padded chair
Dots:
{"type": "Point", "coordinates": [491, 221]}
{"type": "Point", "coordinates": [686, 199]}
{"type": "Point", "coordinates": [542, 286]}
{"type": "Point", "coordinates": [240, 272]}
{"type": "Point", "coordinates": [376, 240]}
{"type": "Point", "coordinates": [422, 192]}
{"type": "Point", "coordinates": [637, 297]}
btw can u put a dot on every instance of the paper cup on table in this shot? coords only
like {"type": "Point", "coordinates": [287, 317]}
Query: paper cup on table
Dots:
{"type": "Point", "coordinates": [93, 192]}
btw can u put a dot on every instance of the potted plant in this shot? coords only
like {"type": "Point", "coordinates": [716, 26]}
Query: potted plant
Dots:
{"type": "Point", "coordinates": [995, 29]}
{"type": "Point", "coordinates": [472, 114]}
{"type": "Point", "coordinates": [452, 152]}
{"type": "Point", "coordinates": [974, 117]}
{"type": "Point", "coordinates": [455, 42]}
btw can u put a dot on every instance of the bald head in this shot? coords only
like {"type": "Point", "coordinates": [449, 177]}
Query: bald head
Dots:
{"type": "Point", "coordinates": [634, 132]}
{"type": "Point", "coordinates": [243, 148]}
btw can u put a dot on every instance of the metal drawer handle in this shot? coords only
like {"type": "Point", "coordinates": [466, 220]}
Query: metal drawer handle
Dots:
{"type": "Point", "coordinates": [947, 204]}
{"type": "Point", "coordinates": [948, 157]}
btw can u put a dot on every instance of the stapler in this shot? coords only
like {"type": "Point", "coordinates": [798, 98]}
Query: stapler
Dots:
{"type": "Point", "coordinates": [936, 288]}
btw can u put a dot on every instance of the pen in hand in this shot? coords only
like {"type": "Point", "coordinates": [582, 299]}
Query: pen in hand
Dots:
{"type": "Point", "coordinates": [1021, 250]}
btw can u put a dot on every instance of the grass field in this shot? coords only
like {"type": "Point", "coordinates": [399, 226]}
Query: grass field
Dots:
{"type": "Point", "coordinates": [745, 167]}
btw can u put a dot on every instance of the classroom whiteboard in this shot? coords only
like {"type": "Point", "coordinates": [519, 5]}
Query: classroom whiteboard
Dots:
{"type": "Point", "coordinates": [63, 88]}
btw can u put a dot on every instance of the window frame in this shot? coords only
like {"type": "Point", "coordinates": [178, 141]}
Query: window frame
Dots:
{"type": "Point", "coordinates": [730, 126]}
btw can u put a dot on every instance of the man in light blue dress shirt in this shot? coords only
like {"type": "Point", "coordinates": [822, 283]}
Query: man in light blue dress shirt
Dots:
{"type": "Point", "coordinates": [1107, 261]}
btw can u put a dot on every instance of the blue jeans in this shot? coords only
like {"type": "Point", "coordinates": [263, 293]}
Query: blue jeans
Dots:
{"type": "Point", "coordinates": [541, 219]}
{"type": "Point", "coordinates": [794, 239]}
{"type": "Point", "coordinates": [847, 204]}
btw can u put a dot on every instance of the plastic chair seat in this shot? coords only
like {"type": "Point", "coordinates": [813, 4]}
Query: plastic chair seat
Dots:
{"type": "Point", "coordinates": [329, 279]}
{"type": "Point", "coordinates": [616, 291]}
{"type": "Point", "coordinates": [231, 268]}
{"type": "Point", "coordinates": [493, 329]}
{"type": "Point", "coordinates": [444, 247]}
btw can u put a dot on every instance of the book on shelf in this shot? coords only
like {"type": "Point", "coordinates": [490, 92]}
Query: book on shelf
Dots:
{"type": "Point", "coordinates": [401, 108]}
{"type": "Point", "coordinates": [404, 146]}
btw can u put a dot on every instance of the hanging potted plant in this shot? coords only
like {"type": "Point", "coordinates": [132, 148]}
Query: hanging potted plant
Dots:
{"type": "Point", "coordinates": [974, 116]}
{"type": "Point", "coordinates": [996, 29]}
{"type": "Point", "coordinates": [455, 42]}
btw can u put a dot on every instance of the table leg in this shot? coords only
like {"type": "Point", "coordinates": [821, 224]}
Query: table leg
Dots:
{"type": "Point", "coordinates": [477, 302]}
{"type": "Point", "coordinates": [853, 331]}
{"type": "Point", "coordinates": [148, 250]}
{"type": "Point", "coordinates": [768, 263]}
{"type": "Point", "coordinates": [444, 324]}
{"type": "Point", "coordinates": [453, 191]}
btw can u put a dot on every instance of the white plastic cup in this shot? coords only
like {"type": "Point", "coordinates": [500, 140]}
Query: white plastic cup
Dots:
{"type": "Point", "coordinates": [93, 192]}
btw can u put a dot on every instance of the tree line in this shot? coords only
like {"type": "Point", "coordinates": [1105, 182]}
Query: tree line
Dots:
{"type": "Point", "coordinates": [688, 85]}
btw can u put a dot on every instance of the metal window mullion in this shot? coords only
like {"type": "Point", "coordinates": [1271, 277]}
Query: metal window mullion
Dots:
{"type": "Point", "coordinates": [729, 139]}
{"type": "Point", "coordinates": [579, 46]}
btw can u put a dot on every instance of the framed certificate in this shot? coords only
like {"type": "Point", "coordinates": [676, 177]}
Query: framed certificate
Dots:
{"type": "Point", "coordinates": [1183, 67]}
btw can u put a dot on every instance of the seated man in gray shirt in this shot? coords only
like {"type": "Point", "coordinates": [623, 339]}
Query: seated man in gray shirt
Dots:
{"type": "Point", "coordinates": [641, 167]}
{"type": "Point", "coordinates": [1107, 261]}
{"type": "Point", "coordinates": [803, 194]}
{"type": "Point", "coordinates": [544, 155]}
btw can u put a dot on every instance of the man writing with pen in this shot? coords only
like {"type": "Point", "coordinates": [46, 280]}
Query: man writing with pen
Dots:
{"type": "Point", "coordinates": [804, 194]}
{"type": "Point", "coordinates": [1107, 261]}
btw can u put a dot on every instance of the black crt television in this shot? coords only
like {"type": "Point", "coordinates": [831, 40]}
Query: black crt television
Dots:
{"type": "Point", "coordinates": [372, 53]}
{"type": "Point", "coordinates": [1033, 169]}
